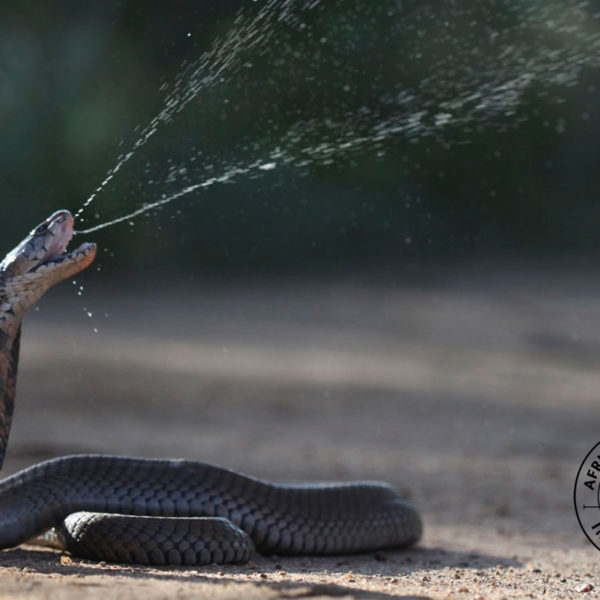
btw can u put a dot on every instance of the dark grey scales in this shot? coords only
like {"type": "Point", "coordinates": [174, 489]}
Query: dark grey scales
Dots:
{"type": "Point", "coordinates": [166, 511]}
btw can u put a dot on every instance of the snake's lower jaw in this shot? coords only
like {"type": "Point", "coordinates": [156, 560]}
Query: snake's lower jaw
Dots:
{"type": "Point", "coordinates": [70, 264]}
{"type": "Point", "coordinates": [60, 267]}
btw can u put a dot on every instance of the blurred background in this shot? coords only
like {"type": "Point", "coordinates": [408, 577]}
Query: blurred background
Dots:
{"type": "Point", "coordinates": [494, 149]}
{"type": "Point", "coordinates": [380, 261]}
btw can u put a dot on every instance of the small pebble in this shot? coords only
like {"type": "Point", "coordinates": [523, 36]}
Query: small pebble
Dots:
{"type": "Point", "coordinates": [65, 560]}
{"type": "Point", "coordinates": [584, 587]}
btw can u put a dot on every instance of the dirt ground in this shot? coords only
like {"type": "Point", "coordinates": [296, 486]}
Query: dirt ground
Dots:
{"type": "Point", "coordinates": [473, 388]}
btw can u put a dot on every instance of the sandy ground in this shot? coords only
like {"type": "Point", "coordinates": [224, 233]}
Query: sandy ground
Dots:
{"type": "Point", "coordinates": [474, 389]}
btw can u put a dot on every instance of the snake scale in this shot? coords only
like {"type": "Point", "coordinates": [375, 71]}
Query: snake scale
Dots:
{"type": "Point", "coordinates": [165, 511]}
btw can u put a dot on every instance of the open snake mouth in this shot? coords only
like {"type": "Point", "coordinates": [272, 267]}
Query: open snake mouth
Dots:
{"type": "Point", "coordinates": [80, 253]}
{"type": "Point", "coordinates": [49, 240]}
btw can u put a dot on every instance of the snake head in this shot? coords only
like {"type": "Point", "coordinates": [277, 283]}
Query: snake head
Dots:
{"type": "Point", "coordinates": [38, 263]}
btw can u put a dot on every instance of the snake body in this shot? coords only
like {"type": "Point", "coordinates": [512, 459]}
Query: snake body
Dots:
{"type": "Point", "coordinates": [166, 511]}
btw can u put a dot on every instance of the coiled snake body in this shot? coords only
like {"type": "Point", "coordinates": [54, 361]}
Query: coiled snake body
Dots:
{"type": "Point", "coordinates": [166, 511]}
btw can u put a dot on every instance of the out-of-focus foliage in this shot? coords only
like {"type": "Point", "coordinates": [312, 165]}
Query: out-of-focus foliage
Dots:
{"type": "Point", "coordinates": [79, 81]}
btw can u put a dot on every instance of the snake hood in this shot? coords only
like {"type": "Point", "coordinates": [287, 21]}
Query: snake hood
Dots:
{"type": "Point", "coordinates": [26, 272]}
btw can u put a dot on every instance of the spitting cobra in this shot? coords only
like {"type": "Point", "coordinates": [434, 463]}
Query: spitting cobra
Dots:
{"type": "Point", "coordinates": [147, 511]}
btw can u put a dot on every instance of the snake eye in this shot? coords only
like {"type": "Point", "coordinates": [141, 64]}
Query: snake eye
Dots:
{"type": "Point", "coordinates": [42, 228]}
